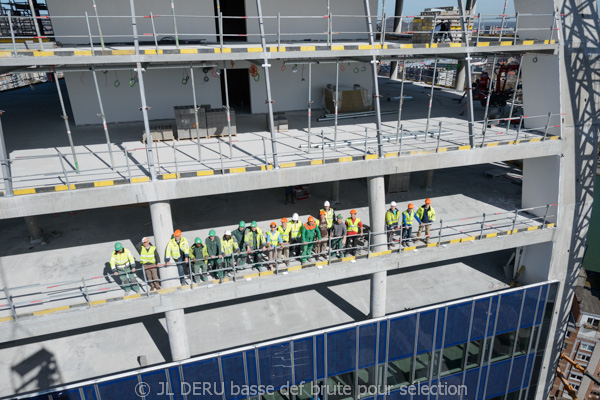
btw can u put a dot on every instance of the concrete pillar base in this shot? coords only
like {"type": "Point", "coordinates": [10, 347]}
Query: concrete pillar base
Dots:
{"type": "Point", "coordinates": [378, 294]}
{"type": "Point", "coordinates": [178, 339]}
{"type": "Point", "coordinates": [162, 225]}
{"type": "Point", "coordinates": [33, 227]}
{"type": "Point", "coordinates": [376, 187]}
{"type": "Point", "coordinates": [428, 182]}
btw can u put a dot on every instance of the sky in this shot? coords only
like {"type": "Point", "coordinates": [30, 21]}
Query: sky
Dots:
{"type": "Point", "coordinates": [414, 7]}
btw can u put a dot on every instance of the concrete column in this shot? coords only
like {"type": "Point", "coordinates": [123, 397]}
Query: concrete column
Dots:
{"type": "Point", "coordinates": [378, 294]}
{"type": "Point", "coordinates": [461, 74]}
{"type": "Point", "coordinates": [428, 182]}
{"type": "Point", "coordinates": [33, 227]}
{"type": "Point", "coordinates": [335, 192]}
{"type": "Point", "coordinates": [377, 211]}
{"type": "Point", "coordinates": [162, 225]}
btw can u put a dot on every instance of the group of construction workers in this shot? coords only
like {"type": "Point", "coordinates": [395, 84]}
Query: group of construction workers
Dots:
{"type": "Point", "coordinates": [249, 244]}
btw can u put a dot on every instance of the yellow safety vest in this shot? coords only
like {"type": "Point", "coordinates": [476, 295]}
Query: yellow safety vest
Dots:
{"type": "Point", "coordinates": [249, 238]}
{"type": "Point", "coordinates": [147, 256]}
{"type": "Point", "coordinates": [274, 238]}
{"type": "Point", "coordinates": [121, 260]}
{"type": "Point", "coordinates": [175, 249]}
{"type": "Point", "coordinates": [229, 246]}
{"type": "Point", "coordinates": [430, 213]}
{"type": "Point", "coordinates": [392, 218]}
{"type": "Point", "coordinates": [352, 226]}
{"type": "Point", "coordinates": [409, 217]}
{"type": "Point", "coordinates": [285, 233]}
{"type": "Point", "coordinates": [329, 216]}
{"type": "Point", "coordinates": [296, 229]}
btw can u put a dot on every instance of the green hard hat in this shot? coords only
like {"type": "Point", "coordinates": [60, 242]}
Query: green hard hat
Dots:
{"type": "Point", "coordinates": [340, 216]}
{"type": "Point", "coordinates": [198, 241]}
{"type": "Point", "coordinates": [212, 232]}
{"type": "Point", "coordinates": [118, 246]}
{"type": "Point", "coordinates": [242, 224]}
{"type": "Point", "coordinates": [253, 224]}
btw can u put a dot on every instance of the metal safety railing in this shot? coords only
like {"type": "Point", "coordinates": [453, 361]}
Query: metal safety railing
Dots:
{"type": "Point", "coordinates": [162, 31]}
{"type": "Point", "coordinates": [237, 265]}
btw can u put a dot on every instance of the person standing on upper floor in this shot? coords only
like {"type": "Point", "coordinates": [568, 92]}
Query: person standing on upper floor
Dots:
{"type": "Point", "coordinates": [199, 255]}
{"type": "Point", "coordinates": [392, 218]}
{"type": "Point", "coordinates": [230, 247]}
{"type": "Point", "coordinates": [238, 235]}
{"type": "Point", "coordinates": [149, 259]}
{"type": "Point", "coordinates": [329, 214]}
{"type": "Point", "coordinates": [296, 236]}
{"type": "Point", "coordinates": [274, 243]}
{"type": "Point", "coordinates": [285, 231]}
{"type": "Point", "coordinates": [354, 226]}
{"type": "Point", "coordinates": [408, 217]}
{"type": "Point", "coordinates": [215, 253]}
{"type": "Point", "coordinates": [322, 226]}
{"type": "Point", "coordinates": [255, 244]}
{"type": "Point", "coordinates": [338, 234]}
{"type": "Point", "coordinates": [426, 215]}
{"type": "Point", "coordinates": [122, 264]}
{"type": "Point", "coordinates": [310, 234]}
{"type": "Point", "coordinates": [178, 249]}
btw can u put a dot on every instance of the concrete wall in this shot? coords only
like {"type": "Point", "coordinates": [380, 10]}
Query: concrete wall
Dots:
{"type": "Point", "coordinates": [536, 259]}
{"type": "Point", "coordinates": [541, 81]}
{"type": "Point", "coordinates": [540, 184]}
{"type": "Point", "coordinates": [538, 26]}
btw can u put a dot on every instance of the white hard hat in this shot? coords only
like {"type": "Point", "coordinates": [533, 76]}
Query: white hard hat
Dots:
{"type": "Point", "coordinates": [228, 232]}
{"type": "Point", "coordinates": [393, 203]}
{"type": "Point", "coordinates": [326, 204]}
{"type": "Point", "coordinates": [295, 217]}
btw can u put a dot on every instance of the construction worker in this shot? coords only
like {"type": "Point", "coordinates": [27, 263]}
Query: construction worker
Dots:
{"type": "Point", "coordinates": [426, 215]}
{"type": "Point", "coordinates": [255, 244]}
{"type": "Point", "coordinates": [199, 255]}
{"type": "Point", "coordinates": [322, 226]}
{"type": "Point", "coordinates": [274, 243]}
{"type": "Point", "coordinates": [215, 253]}
{"type": "Point", "coordinates": [338, 234]}
{"type": "Point", "coordinates": [285, 230]}
{"type": "Point", "coordinates": [310, 234]}
{"type": "Point", "coordinates": [230, 246]}
{"type": "Point", "coordinates": [329, 214]}
{"type": "Point", "coordinates": [354, 226]}
{"type": "Point", "coordinates": [149, 258]}
{"type": "Point", "coordinates": [392, 217]}
{"type": "Point", "coordinates": [238, 235]}
{"type": "Point", "coordinates": [407, 220]}
{"type": "Point", "coordinates": [178, 249]}
{"type": "Point", "coordinates": [122, 264]}
{"type": "Point", "coordinates": [296, 236]}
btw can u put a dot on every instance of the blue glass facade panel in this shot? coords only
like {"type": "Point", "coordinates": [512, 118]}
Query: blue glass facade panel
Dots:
{"type": "Point", "coordinates": [450, 387]}
{"type": "Point", "coordinates": [156, 383]}
{"type": "Point", "coordinates": [275, 365]}
{"type": "Point", "coordinates": [89, 393]}
{"type": "Point", "coordinates": [508, 313]}
{"type": "Point", "coordinates": [341, 354]}
{"type": "Point", "coordinates": [251, 367]}
{"type": "Point", "coordinates": [399, 395]}
{"type": "Point", "coordinates": [531, 300]}
{"type": "Point", "coordinates": [367, 344]}
{"type": "Point", "coordinates": [304, 360]}
{"type": "Point", "coordinates": [72, 394]}
{"type": "Point", "coordinates": [233, 376]}
{"type": "Point", "coordinates": [516, 375]}
{"type": "Point", "coordinates": [471, 379]}
{"type": "Point", "coordinates": [440, 329]}
{"type": "Point", "coordinates": [175, 378]}
{"type": "Point", "coordinates": [457, 323]}
{"type": "Point", "coordinates": [320, 356]}
{"type": "Point", "coordinates": [496, 382]}
{"type": "Point", "coordinates": [119, 389]}
{"type": "Point", "coordinates": [426, 328]}
{"type": "Point", "coordinates": [540, 311]}
{"type": "Point", "coordinates": [480, 317]}
{"type": "Point", "coordinates": [402, 337]}
{"type": "Point", "coordinates": [382, 340]}
{"type": "Point", "coordinates": [202, 380]}
{"type": "Point", "coordinates": [527, 373]}
{"type": "Point", "coordinates": [492, 320]}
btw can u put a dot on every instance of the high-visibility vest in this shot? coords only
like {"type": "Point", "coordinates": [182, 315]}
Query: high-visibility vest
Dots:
{"type": "Point", "coordinates": [392, 217]}
{"type": "Point", "coordinates": [430, 213]}
{"type": "Point", "coordinates": [249, 238]}
{"type": "Point", "coordinates": [329, 216]}
{"type": "Point", "coordinates": [352, 225]}
{"type": "Point", "coordinates": [285, 233]}
{"type": "Point", "coordinates": [274, 238]}
{"type": "Point", "coordinates": [229, 246]}
{"type": "Point", "coordinates": [175, 249]}
{"type": "Point", "coordinates": [409, 217]}
{"type": "Point", "coordinates": [296, 229]}
{"type": "Point", "coordinates": [147, 256]}
{"type": "Point", "coordinates": [121, 260]}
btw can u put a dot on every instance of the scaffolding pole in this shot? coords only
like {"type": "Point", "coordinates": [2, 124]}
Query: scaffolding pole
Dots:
{"type": "Point", "coordinates": [469, 76]}
{"type": "Point", "coordinates": [401, 102]}
{"type": "Point", "coordinates": [196, 113]}
{"type": "Point", "coordinates": [112, 161]}
{"type": "Point", "coordinates": [99, 28]}
{"type": "Point", "coordinates": [335, 103]}
{"type": "Point", "coordinates": [35, 24]}
{"type": "Point", "coordinates": [514, 98]}
{"type": "Point", "coordinates": [65, 117]}
{"type": "Point", "coordinates": [175, 24]}
{"type": "Point", "coordinates": [266, 67]}
{"type": "Point", "coordinates": [5, 163]}
{"type": "Point", "coordinates": [376, 95]}
{"type": "Point", "coordinates": [227, 109]}
{"type": "Point", "coordinates": [489, 96]}
{"type": "Point", "coordinates": [431, 97]}
{"type": "Point", "coordinates": [309, 101]}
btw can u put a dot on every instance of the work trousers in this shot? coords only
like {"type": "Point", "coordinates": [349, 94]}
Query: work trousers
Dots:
{"type": "Point", "coordinates": [272, 252]}
{"type": "Point", "coordinates": [406, 234]}
{"type": "Point", "coordinates": [200, 268]}
{"type": "Point", "coordinates": [351, 243]}
{"type": "Point", "coordinates": [336, 244]}
{"type": "Point", "coordinates": [285, 252]}
{"type": "Point", "coordinates": [128, 280]}
{"type": "Point", "coordinates": [296, 248]}
{"type": "Point", "coordinates": [306, 252]}
{"type": "Point", "coordinates": [180, 270]}
{"type": "Point", "coordinates": [391, 231]}
{"type": "Point", "coordinates": [152, 276]}
{"type": "Point", "coordinates": [216, 263]}
{"type": "Point", "coordinates": [255, 257]}
{"type": "Point", "coordinates": [427, 226]}
{"type": "Point", "coordinates": [321, 248]}
{"type": "Point", "coordinates": [228, 260]}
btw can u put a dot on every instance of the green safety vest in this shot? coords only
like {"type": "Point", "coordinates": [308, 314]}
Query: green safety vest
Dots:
{"type": "Point", "coordinates": [175, 249]}
{"type": "Point", "coordinates": [147, 256]}
{"type": "Point", "coordinates": [229, 246]}
{"type": "Point", "coordinates": [121, 260]}
{"type": "Point", "coordinates": [329, 216]}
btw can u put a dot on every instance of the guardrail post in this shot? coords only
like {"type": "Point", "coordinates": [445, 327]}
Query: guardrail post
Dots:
{"type": "Point", "coordinates": [309, 101]}
{"type": "Point", "coordinates": [98, 22]}
{"type": "Point", "coordinates": [192, 275]}
{"type": "Point", "coordinates": [126, 154]}
{"type": "Point", "coordinates": [433, 30]}
{"type": "Point", "coordinates": [87, 20]}
{"type": "Point", "coordinates": [545, 215]}
{"type": "Point", "coordinates": [401, 136]}
{"type": "Point", "coordinates": [221, 154]}
{"type": "Point", "coordinates": [145, 280]}
{"type": "Point", "coordinates": [547, 125]}
{"type": "Point", "coordinates": [10, 303]}
{"type": "Point", "coordinates": [382, 34]}
{"type": "Point", "coordinates": [501, 28]}
{"type": "Point", "coordinates": [553, 25]}
{"type": "Point", "coordinates": [35, 24]}
{"type": "Point", "coordinates": [64, 170]}
{"type": "Point", "coordinates": [86, 293]}
{"type": "Point", "coordinates": [519, 128]}
{"type": "Point", "coordinates": [12, 32]}
{"type": "Point", "coordinates": [278, 31]}
{"type": "Point", "coordinates": [221, 30]}
{"type": "Point", "coordinates": [330, 19]}
{"type": "Point", "coordinates": [514, 221]}
{"type": "Point", "coordinates": [175, 24]}
{"type": "Point", "coordinates": [5, 164]}
{"type": "Point", "coordinates": [438, 138]}
{"type": "Point", "coordinates": [276, 263]}
{"type": "Point", "coordinates": [265, 150]}
{"type": "Point", "coordinates": [154, 33]}
{"type": "Point", "coordinates": [482, 226]}
{"type": "Point", "coordinates": [175, 157]}
{"type": "Point", "coordinates": [369, 244]}
{"type": "Point", "coordinates": [329, 249]}
{"type": "Point", "coordinates": [515, 33]}
{"type": "Point", "coordinates": [323, 145]}
{"type": "Point", "coordinates": [440, 233]}
{"type": "Point", "coordinates": [196, 110]}
{"type": "Point", "coordinates": [335, 104]}
{"type": "Point", "coordinates": [366, 138]}
{"type": "Point", "coordinates": [478, 28]}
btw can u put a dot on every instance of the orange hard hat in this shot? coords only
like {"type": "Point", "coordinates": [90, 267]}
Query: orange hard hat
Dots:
{"type": "Point", "coordinates": [177, 233]}
{"type": "Point", "coordinates": [411, 205]}
{"type": "Point", "coordinates": [273, 224]}
{"type": "Point", "coordinates": [311, 219]}
{"type": "Point", "coordinates": [427, 201]}
{"type": "Point", "coordinates": [322, 212]}
{"type": "Point", "coordinates": [283, 219]}
{"type": "Point", "coordinates": [353, 212]}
